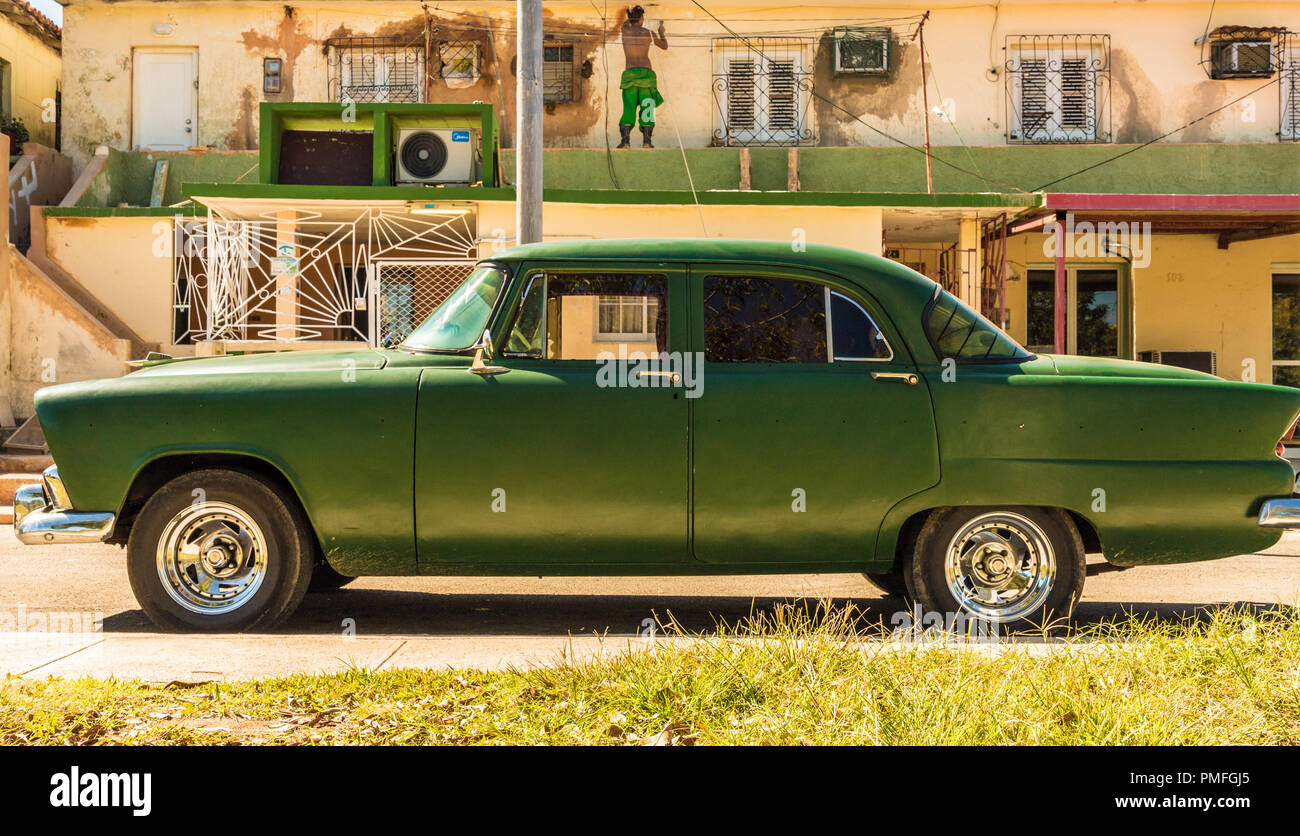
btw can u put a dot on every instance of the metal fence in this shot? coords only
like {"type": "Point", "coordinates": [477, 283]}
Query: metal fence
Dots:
{"type": "Point", "coordinates": [410, 291]}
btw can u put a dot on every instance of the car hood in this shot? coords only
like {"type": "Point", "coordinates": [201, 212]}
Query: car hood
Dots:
{"type": "Point", "coordinates": [279, 362]}
{"type": "Point", "coordinates": [1075, 366]}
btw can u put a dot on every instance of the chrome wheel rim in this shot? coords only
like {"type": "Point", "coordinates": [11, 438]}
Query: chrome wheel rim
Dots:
{"type": "Point", "coordinates": [1000, 567]}
{"type": "Point", "coordinates": [212, 558]}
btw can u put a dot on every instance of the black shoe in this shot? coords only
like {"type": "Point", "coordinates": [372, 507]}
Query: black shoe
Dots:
{"type": "Point", "coordinates": [646, 132]}
{"type": "Point", "coordinates": [625, 133]}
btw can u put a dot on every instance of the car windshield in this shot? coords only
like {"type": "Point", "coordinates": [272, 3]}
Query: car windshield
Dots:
{"type": "Point", "coordinates": [961, 333]}
{"type": "Point", "coordinates": [459, 321]}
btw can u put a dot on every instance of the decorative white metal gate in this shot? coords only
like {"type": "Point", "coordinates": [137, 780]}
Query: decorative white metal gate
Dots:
{"type": "Point", "coordinates": [408, 291]}
{"type": "Point", "coordinates": [296, 275]}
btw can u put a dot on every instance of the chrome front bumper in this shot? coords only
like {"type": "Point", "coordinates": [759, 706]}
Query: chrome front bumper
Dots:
{"type": "Point", "coordinates": [43, 515]}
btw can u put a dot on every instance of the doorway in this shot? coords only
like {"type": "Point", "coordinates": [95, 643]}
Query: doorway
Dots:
{"type": "Point", "coordinates": [1097, 311]}
{"type": "Point", "coordinates": [165, 98]}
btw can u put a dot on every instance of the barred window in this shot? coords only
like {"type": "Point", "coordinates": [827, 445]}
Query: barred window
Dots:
{"type": "Point", "coordinates": [375, 70]}
{"type": "Point", "coordinates": [557, 73]}
{"type": "Point", "coordinates": [1058, 88]}
{"type": "Point", "coordinates": [761, 91]}
{"type": "Point", "coordinates": [460, 59]}
{"type": "Point", "coordinates": [1290, 93]}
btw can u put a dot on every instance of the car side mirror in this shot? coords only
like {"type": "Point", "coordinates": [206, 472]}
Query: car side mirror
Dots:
{"type": "Point", "coordinates": [483, 351]}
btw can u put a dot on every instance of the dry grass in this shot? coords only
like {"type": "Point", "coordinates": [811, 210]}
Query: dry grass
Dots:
{"type": "Point", "coordinates": [791, 678]}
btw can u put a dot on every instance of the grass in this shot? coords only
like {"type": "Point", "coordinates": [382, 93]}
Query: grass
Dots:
{"type": "Point", "coordinates": [790, 677]}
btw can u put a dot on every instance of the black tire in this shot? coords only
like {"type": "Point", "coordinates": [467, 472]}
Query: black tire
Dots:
{"type": "Point", "coordinates": [231, 508]}
{"type": "Point", "coordinates": [325, 579]}
{"type": "Point", "coordinates": [893, 583]}
{"type": "Point", "coordinates": [1059, 591]}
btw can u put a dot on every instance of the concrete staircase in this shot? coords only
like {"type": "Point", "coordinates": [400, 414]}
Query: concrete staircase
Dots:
{"type": "Point", "coordinates": [17, 470]}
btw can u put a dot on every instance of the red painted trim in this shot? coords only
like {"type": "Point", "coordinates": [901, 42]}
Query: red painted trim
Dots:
{"type": "Point", "coordinates": [1173, 202]}
{"type": "Point", "coordinates": [1058, 324]}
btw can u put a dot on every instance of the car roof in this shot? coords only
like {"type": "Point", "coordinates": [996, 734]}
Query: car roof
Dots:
{"type": "Point", "coordinates": [834, 259]}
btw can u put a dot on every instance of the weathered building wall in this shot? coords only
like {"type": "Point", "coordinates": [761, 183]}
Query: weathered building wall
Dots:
{"type": "Point", "coordinates": [34, 69]}
{"type": "Point", "coordinates": [1156, 81]}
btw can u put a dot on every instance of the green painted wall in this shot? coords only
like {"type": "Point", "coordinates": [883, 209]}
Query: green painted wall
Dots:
{"type": "Point", "coordinates": [1173, 168]}
{"type": "Point", "coordinates": [128, 175]}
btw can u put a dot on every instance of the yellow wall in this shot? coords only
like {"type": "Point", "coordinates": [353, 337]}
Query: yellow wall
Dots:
{"type": "Point", "coordinates": [1192, 296]}
{"type": "Point", "coordinates": [855, 227]}
{"type": "Point", "coordinates": [34, 78]}
{"type": "Point", "coordinates": [126, 263]}
{"type": "Point", "coordinates": [1157, 83]}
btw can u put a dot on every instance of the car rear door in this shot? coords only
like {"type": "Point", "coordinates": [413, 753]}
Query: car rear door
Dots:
{"type": "Point", "coordinates": [809, 428]}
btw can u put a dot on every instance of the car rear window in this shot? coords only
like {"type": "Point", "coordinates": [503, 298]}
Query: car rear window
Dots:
{"type": "Point", "coordinates": [958, 332]}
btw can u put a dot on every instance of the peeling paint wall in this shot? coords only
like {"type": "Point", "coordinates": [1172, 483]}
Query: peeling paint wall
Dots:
{"type": "Point", "coordinates": [1156, 86]}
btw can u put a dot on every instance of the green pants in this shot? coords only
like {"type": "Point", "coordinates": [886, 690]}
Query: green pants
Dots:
{"type": "Point", "coordinates": [640, 96]}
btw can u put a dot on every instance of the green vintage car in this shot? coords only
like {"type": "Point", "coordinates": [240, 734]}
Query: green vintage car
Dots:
{"type": "Point", "coordinates": [663, 407]}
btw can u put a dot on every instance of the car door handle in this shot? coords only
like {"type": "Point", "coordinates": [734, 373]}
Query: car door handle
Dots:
{"type": "Point", "coordinates": [673, 377]}
{"type": "Point", "coordinates": [898, 377]}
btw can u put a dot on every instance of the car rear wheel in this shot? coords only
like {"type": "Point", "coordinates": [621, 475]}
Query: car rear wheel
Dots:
{"type": "Point", "coordinates": [220, 550]}
{"type": "Point", "coordinates": [1016, 567]}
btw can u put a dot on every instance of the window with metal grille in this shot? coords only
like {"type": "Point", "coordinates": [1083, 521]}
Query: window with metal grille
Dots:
{"type": "Point", "coordinates": [1289, 108]}
{"type": "Point", "coordinates": [460, 59]}
{"type": "Point", "coordinates": [557, 73]}
{"type": "Point", "coordinates": [1058, 88]}
{"type": "Point", "coordinates": [375, 70]}
{"type": "Point", "coordinates": [761, 91]}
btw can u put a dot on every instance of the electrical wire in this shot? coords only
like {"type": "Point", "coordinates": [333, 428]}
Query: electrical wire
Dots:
{"type": "Point", "coordinates": [1163, 136]}
{"type": "Point", "coordinates": [837, 106]}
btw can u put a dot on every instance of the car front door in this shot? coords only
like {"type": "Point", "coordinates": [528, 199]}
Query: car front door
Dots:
{"type": "Point", "coordinates": [809, 427]}
{"type": "Point", "coordinates": [570, 456]}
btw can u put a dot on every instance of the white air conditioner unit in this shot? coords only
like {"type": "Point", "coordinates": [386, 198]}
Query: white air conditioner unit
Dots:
{"type": "Point", "coordinates": [1241, 59]}
{"type": "Point", "coordinates": [436, 155]}
{"type": "Point", "coordinates": [862, 51]}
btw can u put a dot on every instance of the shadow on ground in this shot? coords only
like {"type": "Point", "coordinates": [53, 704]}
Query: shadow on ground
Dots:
{"type": "Point", "coordinates": [395, 612]}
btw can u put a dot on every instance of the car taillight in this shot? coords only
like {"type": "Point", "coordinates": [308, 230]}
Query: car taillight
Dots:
{"type": "Point", "coordinates": [1287, 436]}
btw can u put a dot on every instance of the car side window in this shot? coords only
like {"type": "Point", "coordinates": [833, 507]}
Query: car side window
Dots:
{"type": "Point", "coordinates": [578, 316]}
{"type": "Point", "coordinates": [854, 334]}
{"type": "Point", "coordinates": [754, 319]}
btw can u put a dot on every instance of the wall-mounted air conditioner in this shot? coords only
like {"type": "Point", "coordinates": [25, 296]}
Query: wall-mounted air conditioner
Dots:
{"type": "Point", "coordinates": [861, 51]}
{"type": "Point", "coordinates": [1241, 59]}
{"type": "Point", "coordinates": [436, 156]}
{"type": "Point", "coordinates": [1201, 361]}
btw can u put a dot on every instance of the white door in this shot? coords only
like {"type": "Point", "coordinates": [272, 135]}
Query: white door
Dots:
{"type": "Point", "coordinates": [165, 99]}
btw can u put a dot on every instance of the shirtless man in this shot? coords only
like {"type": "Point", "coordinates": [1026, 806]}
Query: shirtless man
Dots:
{"type": "Point", "coordinates": [639, 85]}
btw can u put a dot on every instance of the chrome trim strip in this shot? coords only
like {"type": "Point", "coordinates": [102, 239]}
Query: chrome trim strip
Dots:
{"type": "Point", "coordinates": [1280, 513]}
{"type": "Point", "coordinates": [27, 499]}
{"type": "Point", "coordinates": [55, 494]}
{"type": "Point", "coordinates": [48, 527]}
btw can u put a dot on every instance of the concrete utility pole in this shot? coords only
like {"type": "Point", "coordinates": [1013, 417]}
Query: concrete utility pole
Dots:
{"type": "Point", "coordinates": [528, 131]}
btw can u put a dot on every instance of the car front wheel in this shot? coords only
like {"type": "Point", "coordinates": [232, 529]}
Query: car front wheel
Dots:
{"type": "Point", "coordinates": [1016, 567]}
{"type": "Point", "coordinates": [219, 550]}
